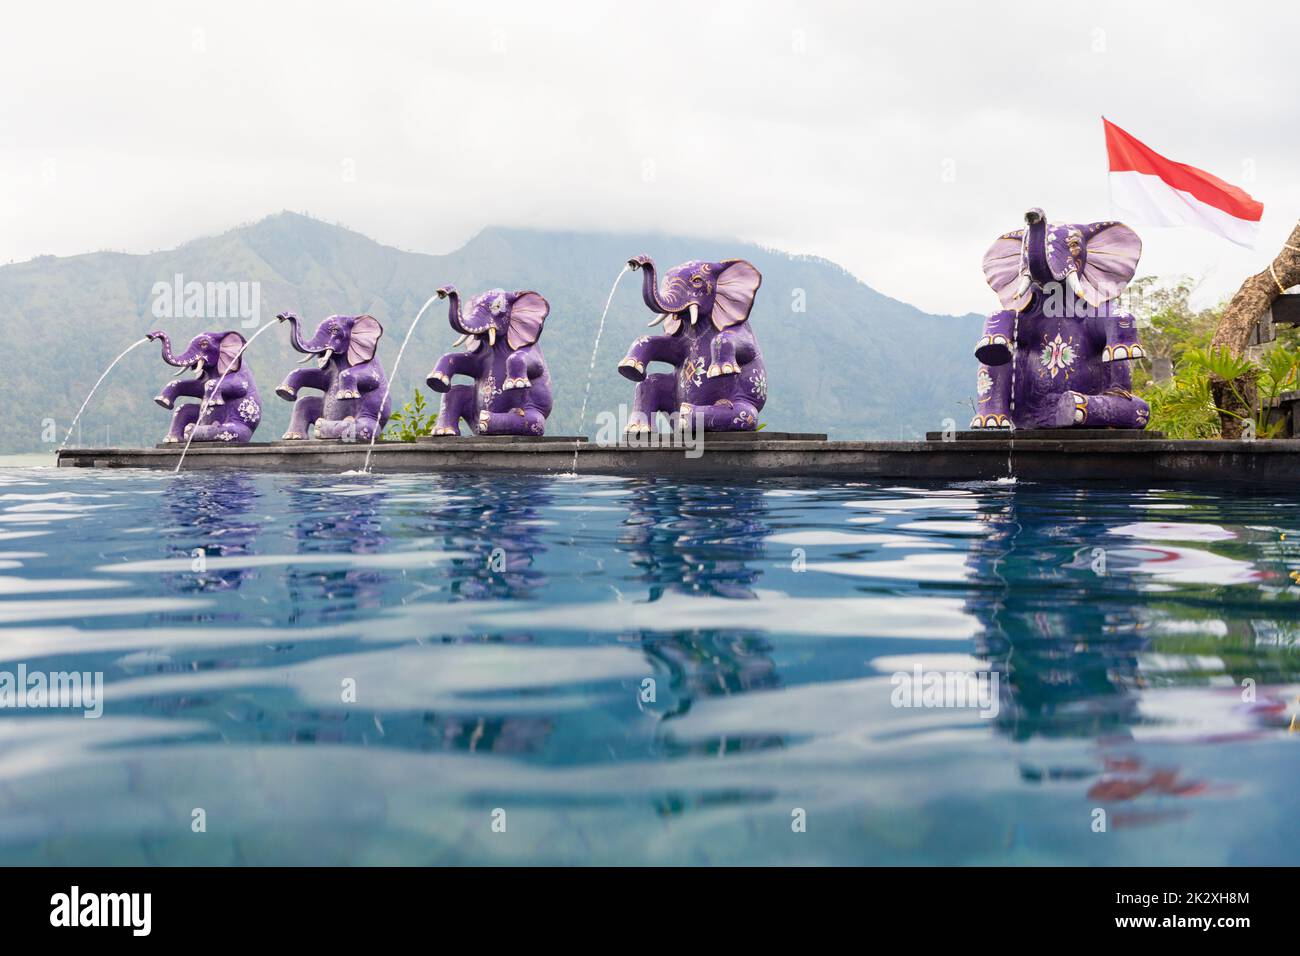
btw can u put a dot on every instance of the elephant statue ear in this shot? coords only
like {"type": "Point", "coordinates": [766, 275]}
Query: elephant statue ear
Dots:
{"type": "Point", "coordinates": [366, 331]}
{"type": "Point", "coordinates": [228, 353]}
{"type": "Point", "coordinates": [526, 317]}
{"type": "Point", "coordinates": [734, 293]}
{"type": "Point", "coordinates": [1113, 250]}
{"type": "Point", "coordinates": [1004, 269]}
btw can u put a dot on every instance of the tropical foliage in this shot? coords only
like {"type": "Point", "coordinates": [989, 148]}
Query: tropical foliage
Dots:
{"type": "Point", "coordinates": [1183, 406]}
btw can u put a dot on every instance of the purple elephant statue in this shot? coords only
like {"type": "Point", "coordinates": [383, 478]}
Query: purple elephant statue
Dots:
{"type": "Point", "coordinates": [511, 394]}
{"type": "Point", "coordinates": [355, 404]}
{"type": "Point", "coordinates": [233, 412]}
{"type": "Point", "coordinates": [1073, 344]}
{"type": "Point", "coordinates": [718, 369]}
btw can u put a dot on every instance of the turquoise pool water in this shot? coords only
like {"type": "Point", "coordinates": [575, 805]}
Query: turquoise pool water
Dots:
{"type": "Point", "coordinates": [461, 669]}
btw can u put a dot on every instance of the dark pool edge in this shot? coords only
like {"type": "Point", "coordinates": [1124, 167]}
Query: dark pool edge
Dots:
{"type": "Point", "coordinates": [1129, 462]}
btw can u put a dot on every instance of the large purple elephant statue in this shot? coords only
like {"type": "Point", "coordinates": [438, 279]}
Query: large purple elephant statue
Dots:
{"type": "Point", "coordinates": [511, 394]}
{"type": "Point", "coordinates": [355, 404]}
{"type": "Point", "coordinates": [718, 369]}
{"type": "Point", "coordinates": [233, 412]}
{"type": "Point", "coordinates": [1070, 364]}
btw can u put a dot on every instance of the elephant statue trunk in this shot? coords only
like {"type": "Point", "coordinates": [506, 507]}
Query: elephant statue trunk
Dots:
{"type": "Point", "coordinates": [449, 293]}
{"type": "Point", "coordinates": [668, 305]}
{"type": "Point", "coordinates": [1036, 248]}
{"type": "Point", "coordinates": [318, 347]}
{"type": "Point", "coordinates": [188, 359]}
{"type": "Point", "coordinates": [228, 407]}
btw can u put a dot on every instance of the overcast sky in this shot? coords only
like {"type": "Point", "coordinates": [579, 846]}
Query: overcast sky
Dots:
{"type": "Point", "coordinates": [896, 139]}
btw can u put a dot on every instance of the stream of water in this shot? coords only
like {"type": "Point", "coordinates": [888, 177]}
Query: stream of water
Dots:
{"type": "Point", "coordinates": [91, 394]}
{"type": "Point", "coordinates": [389, 384]}
{"type": "Point", "coordinates": [591, 369]}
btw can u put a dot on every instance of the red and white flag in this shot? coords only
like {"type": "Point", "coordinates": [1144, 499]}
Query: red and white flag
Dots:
{"type": "Point", "coordinates": [1155, 191]}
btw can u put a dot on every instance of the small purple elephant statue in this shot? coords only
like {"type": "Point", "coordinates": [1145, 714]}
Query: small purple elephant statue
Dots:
{"type": "Point", "coordinates": [1073, 344]}
{"type": "Point", "coordinates": [718, 369]}
{"type": "Point", "coordinates": [355, 404]}
{"type": "Point", "coordinates": [511, 394]}
{"type": "Point", "coordinates": [233, 412]}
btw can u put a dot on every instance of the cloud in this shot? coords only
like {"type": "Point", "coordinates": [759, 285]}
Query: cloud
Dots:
{"type": "Point", "coordinates": [897, 140]}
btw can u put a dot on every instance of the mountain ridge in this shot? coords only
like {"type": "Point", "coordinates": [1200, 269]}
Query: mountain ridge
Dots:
{"type": "Point", "coordinates": [855, 363]}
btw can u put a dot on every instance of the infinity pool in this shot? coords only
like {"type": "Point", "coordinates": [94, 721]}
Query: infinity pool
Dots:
{"type": "Point", "coordinates": [469, 669]}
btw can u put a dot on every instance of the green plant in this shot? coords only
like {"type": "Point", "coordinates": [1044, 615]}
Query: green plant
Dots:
{"type": "Point", "coordinates": [1280, 373]}
{"type": "Point", "coordinates": [410, 421]}
{"type": "Point", "coordinates": [1184, 406]}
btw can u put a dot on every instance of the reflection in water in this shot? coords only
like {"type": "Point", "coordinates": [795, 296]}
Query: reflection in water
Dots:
{"type": "Point", "coordinates": [1066, 668]}
{"type": "Point", "coordinates": [695, 539]}
{"type": "Point", "coordinates": [499, 524]}
{"type": "Point", "coordinates": [1088, 618]}
{"type": "Point", "coordinates": [491, 529]}
{"type": "Point", "coordinates": [702, 540]}
{"type": "Point", "coordinates": [335, 524]}
{"type": "Point", "coordinates": [210, 516]}
{"type": "Point", "coordinates": [368, 665]}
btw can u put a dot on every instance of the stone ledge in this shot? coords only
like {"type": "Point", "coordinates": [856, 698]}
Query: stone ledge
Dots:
{"type": "Point", "coordinates": [497, 439]}
{"type": "Point", "coordinates": [1110, 459]}
{"type": "Point", "coordinates": [1050, 434]}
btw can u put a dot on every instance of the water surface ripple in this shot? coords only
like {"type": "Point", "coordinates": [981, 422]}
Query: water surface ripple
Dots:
{"type": "Point", "coordinates": [367, 668]}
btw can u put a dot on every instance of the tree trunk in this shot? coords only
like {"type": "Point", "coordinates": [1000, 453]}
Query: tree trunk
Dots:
{"type": "Point", "coordinates": [1255, 296]}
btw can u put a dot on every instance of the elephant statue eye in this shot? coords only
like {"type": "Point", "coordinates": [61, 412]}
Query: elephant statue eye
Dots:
{"type": "Point", "coordinates": [334, 330]}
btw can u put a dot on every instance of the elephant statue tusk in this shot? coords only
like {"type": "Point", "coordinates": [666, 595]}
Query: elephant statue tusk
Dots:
{"type": "Point", "coordinates": [325, 358]}
{"type": "Point", "coordinates": [183, 370]}
{"type": "Point", "coordinates": [695, 312]}
{"type": "Point", "coordinates": [306, 358]}
{"type": "Point", "coordinates": [1072, 280]}
{"type": "Point", "coordinates": [198, 368]}
{"type": "Point", "coordinates": [655, 321]}
{"type": "Point", "coordinates": [460, 341]}
{"type": "Point", "coordinates": [492, 336]}
{"type": "Point", "coordinates": [1023, 287]}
